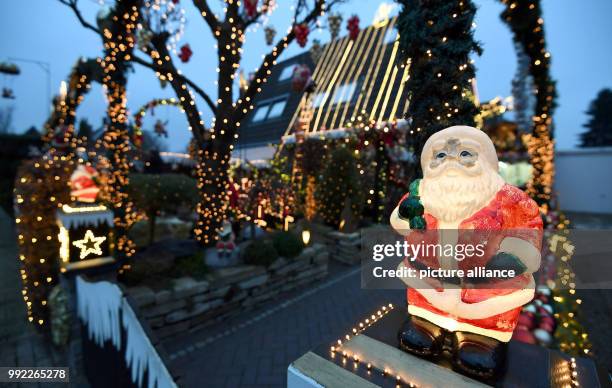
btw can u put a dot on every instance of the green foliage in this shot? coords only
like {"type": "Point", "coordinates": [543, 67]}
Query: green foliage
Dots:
{"type": "Point", "coordinates": [260, 252]}
{"type": "Point", "coordinates": [193, 266]}
{"type": "Point", "coordinates": [287, 244]}
{"type": "Point", "coordinates": [437, 37]}
{"type": "Point", "coordinates": [599, 126]}
{"type": "Point", "coordinates": [155, 193]}
{"type": "Point", "coordinates": [339, 187]}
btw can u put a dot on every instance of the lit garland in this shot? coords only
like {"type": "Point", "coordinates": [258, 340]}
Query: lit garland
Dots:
{"type": "Point", "coordinates": [59, 127]}
{"type": "Point", "coordinates": [525, 20]}
{"type": "Point", "coordinates": [356, 359]}
{"type": "Point", "coordinates": [142, 112]}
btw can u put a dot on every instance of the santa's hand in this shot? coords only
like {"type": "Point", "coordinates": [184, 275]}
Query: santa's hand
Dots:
{"type": "Point", "coordinates": [528, 254]}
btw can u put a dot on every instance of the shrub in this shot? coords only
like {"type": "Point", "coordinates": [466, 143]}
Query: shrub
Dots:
{"type": "Point", "coordinates": [339, 188]}
{"type": "Point", "coordinates": [287, 244]}
{"type": "Point", "coordinates": [193, 266]}
{"type": "Point", "coordinates": [260, 252]}
{"type": "Point", "coordinates": [155, 193]}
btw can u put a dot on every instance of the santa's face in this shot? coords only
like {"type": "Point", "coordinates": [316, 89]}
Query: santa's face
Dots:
{"type": "Point", "coordinates": [457, 180]}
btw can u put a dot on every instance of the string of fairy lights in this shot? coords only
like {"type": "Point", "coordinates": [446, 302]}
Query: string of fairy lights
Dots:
{"type": "Point", "coordinates": [357, 361]}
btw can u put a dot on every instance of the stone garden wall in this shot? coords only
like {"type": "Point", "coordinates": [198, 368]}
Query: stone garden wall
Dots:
{"type": "Point", "coordinates": [227, 291]}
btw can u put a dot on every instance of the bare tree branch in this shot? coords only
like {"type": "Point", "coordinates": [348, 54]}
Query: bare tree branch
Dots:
{"type": "Point", "coordinates": [208, 15]}
{"type": "Point", "coordinates": [73, 4]}
{"type": "Point", "coordinates": [182, 78]}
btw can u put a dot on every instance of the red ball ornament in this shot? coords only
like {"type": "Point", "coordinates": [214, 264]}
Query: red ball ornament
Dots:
{"type": "Point", "coordinates": [352, 25]}
{"type": "Point", "coordinates": [250, 7]}
{"type": "Point", "coordinates": [526, 320]}
{"type": "Point", "coordinates": [522, 334]}
{"type": "Point", "coordinates": [301, 78]}
{"type": "Point", "coordinates": [301, 32]}
{"type": "Point", "coordinates": [185, 53]}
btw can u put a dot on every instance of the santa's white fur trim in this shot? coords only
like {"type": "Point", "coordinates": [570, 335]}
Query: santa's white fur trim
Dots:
{"type": "Point", "coordinates": [524, 250]}
{"type": "Point", "coordinates": [453, 325]}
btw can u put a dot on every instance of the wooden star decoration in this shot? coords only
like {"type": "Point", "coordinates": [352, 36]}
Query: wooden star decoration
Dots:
{"type": "Point", "coordinates": [90, 244]}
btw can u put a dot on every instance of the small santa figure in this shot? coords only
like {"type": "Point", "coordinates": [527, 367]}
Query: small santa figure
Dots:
{"type": "Point", "coordinates": [463, 200]}
{"type": "Point", "coordinates": [226, 245]}
{"type": "Point", "coordinates": [83, 184]}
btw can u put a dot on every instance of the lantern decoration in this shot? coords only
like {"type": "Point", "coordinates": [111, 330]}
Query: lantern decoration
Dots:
{"type": "Point", "coordinates": [270, 33]}
{"type": "Point", "coordinates": [301, 33]}
{"type": "Point", "coordinates": [352, 25]}
{"type": "Point", "coordinates": [250, 7]}
{"type": "Point", "coordinates": [334, 21]}
{"type": "Point", "coordinates": [316, 50]}
{"type": "Point", "coordinates": [185, 53]}
{"type": "Point", "coordinates": [301, 78]}
{"type": "Point", "coordinates": [85, 227]}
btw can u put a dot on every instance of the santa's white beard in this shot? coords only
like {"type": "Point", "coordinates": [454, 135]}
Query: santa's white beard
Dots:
{"type": "Point", "coordinates": [453, 199]}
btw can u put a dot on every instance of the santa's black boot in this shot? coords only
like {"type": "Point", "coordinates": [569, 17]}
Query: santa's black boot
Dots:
{"type": "Point", "coordinates": [421, 337]}
{"type": "Point", "coordinates": [478, 356]}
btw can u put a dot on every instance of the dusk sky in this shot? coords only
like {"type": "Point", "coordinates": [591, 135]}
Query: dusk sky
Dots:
{"type": "Point", "coordinates": [578, 37]}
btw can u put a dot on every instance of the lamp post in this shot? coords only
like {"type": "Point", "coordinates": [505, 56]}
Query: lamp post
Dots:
{"type": "Point", "coordinates": [46, 67]}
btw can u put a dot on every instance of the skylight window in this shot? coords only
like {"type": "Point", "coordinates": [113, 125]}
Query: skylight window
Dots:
{"type": "Point", "coordinates": [260, 113]}
{"type": "Point", "coordinates": [277, 109]}
{"type": "Point", "coordinates": [286, 73]}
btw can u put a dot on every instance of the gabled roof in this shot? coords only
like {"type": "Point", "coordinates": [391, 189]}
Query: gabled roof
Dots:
{"type": "Point", "coordinates": [362, 76]}
{"type": "Point", "coordinates": [359, 77]}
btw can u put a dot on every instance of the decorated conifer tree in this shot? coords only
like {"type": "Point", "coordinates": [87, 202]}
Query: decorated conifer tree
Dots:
{"type": "Point", "coordinates": [436, 39]}
{"type": "Point", "coordinates": [339, 188]}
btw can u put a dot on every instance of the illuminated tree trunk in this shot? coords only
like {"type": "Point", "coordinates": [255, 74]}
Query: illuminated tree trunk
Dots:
{"type": "Point", "coordinates": [215, 144]}
{"type": "Point", "coordinates": [118, 34]}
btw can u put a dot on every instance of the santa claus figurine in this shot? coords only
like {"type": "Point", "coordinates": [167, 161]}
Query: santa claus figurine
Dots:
{"type": "Point", "coordinates": [462, 200]}
{"type": "Point", "coordinates": [83, 184]}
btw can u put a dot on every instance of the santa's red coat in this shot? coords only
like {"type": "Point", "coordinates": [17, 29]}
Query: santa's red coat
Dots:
{"type": "Point", "coordinates": [511, 213]}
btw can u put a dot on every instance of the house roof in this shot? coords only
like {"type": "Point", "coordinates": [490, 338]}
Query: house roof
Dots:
{"type": "Point", "coordinates": [353, 77]}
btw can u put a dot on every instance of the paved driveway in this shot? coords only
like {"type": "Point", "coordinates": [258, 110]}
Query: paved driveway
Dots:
{"type": "Point", "coordinates": [254, 351]}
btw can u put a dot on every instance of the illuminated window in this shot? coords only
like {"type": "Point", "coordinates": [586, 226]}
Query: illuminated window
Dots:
{"type": "Point", "coordinates": [277, 109]}
{"type": "Point", "coordinates": [260, 113]}
{"type": "Point", "coordinates": [286, 73]}
{"type": "Point", "coordinates": [344, 92]}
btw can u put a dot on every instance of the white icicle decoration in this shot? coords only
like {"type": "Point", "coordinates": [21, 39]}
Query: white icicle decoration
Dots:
{"type": "Point", "coordinates": [98, 308]}
{"type": "Point", "coordinates": [140, 355]}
